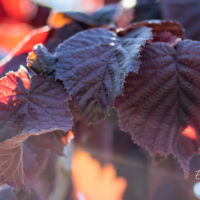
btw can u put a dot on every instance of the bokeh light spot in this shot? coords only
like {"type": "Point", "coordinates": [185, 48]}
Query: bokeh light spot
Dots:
{"type": "Point", "coordinates": [196, 189]}
{"type": "Point", "coordinates": [127, 4]}
{"type": "Point", "coordinates": [190, 133]}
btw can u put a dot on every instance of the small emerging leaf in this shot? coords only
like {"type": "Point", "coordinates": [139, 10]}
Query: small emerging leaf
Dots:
{"type": "Point", "coordinates": [40, 60]}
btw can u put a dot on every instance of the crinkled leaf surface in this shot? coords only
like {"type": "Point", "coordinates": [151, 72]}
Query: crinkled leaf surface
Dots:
{"type": "Point", "coordinates": [158, 26]}
{"type": "Point", "coordinates": [28, 106]}
{"type": "Point", "coordinates": [186, 12]}
{"type": "Point", "coordinates": [94, 63]}
{"type": "Point", "coordinates": [103, 16]}
{"type": "Point", "coordinates": [31, 105]}
{"type": "Point", "coordinates": [160, 106]}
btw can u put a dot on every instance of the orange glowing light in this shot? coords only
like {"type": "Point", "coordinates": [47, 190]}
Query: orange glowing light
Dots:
{"type": "Point", "coordinates": [57, 20]}
{"type": "Point", "coordinates": [190, 132]}
{"type": "Point", "coordinates": [66, 139]}
{"type": "Point", "coordinates": [94, 182]}
{"type": "Point", "coordinates": [15, 32]}
{"type": "Point", "coordinates": [31, 57]}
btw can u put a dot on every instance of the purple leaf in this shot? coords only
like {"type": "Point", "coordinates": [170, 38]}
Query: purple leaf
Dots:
{"type": "Point", "coordinates": [160, 105]}
{"type": "Point", "coordinates": [93, 65]}
{"type": "Point", "coordinates": [28, 106]}
{"type": "Point", "coordinates": [157, 26]}
{"type": "Point", "coordinates": [32, 105]}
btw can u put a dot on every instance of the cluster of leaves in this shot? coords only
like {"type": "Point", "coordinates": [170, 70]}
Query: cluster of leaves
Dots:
{"type": "Point", "coordinates": [147, 72]}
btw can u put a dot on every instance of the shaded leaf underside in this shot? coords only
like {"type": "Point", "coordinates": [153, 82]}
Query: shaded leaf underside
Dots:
{"type": "Point", "coordinates": [160, 106]}
{"type": "Point", "coordinates": [11, 165]}
{"type": "Point", "coordinates": [93, 65]}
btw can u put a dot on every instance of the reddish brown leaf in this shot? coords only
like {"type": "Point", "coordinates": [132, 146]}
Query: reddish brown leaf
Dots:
{"type": "Point", "coordinates": [162, 101]}
{"type": "Point", "coordinates": [157, 26]}
{"type": "Point", "coordinates": [28, 106]}
{"type": "Point", "coordinates": [32, 105]}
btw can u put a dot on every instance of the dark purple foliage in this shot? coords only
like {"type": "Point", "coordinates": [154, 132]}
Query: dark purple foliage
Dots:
{"type": "Point", "coordinates": [163, 99]}
{"type": "Point", "coordinates": [147, 71]}
{"type": "Point", "coordinates": [93, 65]}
